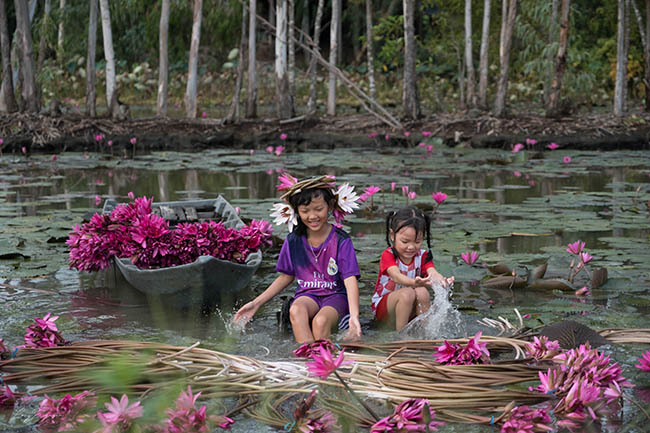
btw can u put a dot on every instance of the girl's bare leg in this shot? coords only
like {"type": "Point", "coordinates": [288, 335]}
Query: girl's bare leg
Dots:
{"type": "Point", "coordinates": [400, 305]}
{"type": "Point", "coordinates": [300, 314]}
{"type": "Point", "coordinates": [422, 300]}
{"type": "Point", "coordinates": [323, 322]}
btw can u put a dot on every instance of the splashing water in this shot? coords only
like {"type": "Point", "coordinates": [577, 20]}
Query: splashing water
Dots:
{"type": "Point", "coordinates": [442, 320]}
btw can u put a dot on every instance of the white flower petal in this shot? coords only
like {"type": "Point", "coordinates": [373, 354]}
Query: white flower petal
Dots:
{"type": "Point", "coordinates": [347, 198]}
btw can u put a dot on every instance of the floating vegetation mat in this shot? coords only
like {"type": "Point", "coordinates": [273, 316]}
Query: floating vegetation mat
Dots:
{"type": "Point", "coordinates": [380, 372]}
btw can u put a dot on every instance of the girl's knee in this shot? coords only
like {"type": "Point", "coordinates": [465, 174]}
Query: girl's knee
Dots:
{"type": "Point", "coordinates": [407, 295]}
{"type": "Point", "coordinates": [297, 312]}
{"type": "Point", "coordinates": [321, 322]}
{"type": "Point", "coordinates": [422, 294]}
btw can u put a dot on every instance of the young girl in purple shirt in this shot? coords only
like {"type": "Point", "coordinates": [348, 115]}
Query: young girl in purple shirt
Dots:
{"type": "Point", "coordinates": [318, 256]}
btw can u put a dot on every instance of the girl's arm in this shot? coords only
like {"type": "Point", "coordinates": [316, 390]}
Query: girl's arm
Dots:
{"type": "Point", "coordinates": [352, 289]}
{"type": "Point", "coordinates": [403, 280]}
{"type": "Point", "coordinates": [245, 313]}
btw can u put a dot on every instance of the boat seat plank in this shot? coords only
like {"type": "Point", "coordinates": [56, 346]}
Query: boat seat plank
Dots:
{"type": "Point", "coordinates": [190, 214]}
{"type": "Point", "coordinates": [168, 213]}
{"type": "Point", "coordinates": [180, 214]}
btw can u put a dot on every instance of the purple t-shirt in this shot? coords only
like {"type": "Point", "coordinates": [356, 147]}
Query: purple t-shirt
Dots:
{"type": "Point", "coordinates": [319, 271]}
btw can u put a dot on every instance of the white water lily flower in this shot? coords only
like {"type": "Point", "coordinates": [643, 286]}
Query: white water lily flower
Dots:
{"type": "Point", "coordinates": [347, 198]}
{"type": "Point", "coordinates": [284, 214]}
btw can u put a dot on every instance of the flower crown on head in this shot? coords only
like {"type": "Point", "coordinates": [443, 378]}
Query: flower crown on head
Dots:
{"type": "Point", "coordinates": [346, 198]}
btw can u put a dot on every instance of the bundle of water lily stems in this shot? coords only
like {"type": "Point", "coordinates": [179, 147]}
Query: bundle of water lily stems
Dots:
{"type": "Point", "coordinates": [381, 372]}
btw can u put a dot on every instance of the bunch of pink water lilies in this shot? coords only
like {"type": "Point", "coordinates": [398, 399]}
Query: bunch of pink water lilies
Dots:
{"type": "Point", "coordinates": [132, 231]}
{"type": "Point", "coordinates": [76, 413]}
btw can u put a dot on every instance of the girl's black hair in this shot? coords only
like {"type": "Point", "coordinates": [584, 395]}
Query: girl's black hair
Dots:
{"type": "Point", "coordinates": [303, 198]}
{"type": "Point", "coordinates": [409, 216]}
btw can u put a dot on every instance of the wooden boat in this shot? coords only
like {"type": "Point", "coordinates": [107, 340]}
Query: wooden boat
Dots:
{"type": "Point", "coordinates": [207, 280]}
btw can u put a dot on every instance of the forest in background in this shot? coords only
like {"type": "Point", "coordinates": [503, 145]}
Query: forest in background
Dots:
{"type": "Point", "coordinates": [426, 56]}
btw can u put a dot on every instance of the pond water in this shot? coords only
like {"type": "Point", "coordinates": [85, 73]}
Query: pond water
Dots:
{"type": "Point", "coordinates": [519, 209]}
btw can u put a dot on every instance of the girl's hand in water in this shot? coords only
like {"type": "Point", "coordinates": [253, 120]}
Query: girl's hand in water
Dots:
{"type": "Point", "coordinates": [439, 279]}
{"type": "Point", "coordinates": [354, 332]}
{"type": "Point", "coordinates": [423, 282]}
{"type": "Point", "coordinates": [245, 314]}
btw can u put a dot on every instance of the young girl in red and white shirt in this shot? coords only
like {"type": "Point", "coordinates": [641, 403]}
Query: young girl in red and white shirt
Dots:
{"type": "Point", "coordinates": [406, 271]}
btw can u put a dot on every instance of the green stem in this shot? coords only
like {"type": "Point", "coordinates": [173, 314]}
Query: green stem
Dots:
{"type": "Point", "coordinates": [356, 397]}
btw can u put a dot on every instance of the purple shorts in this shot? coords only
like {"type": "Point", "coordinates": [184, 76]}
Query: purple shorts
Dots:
{"type": "Point", "coordinates": [338, 301]}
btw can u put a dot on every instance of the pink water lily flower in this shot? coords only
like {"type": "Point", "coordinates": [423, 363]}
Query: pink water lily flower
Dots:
{"type": "Point", "coordinates": [98, 137]}
{"type": "Point", "coordinates": [422, 144]}
{"type": "Point", "coordinates": [412, 195]}
{"type": "Point", "coordinates": [566, 159]}
{"type": "Point", "coordinates": [324, 363]}
{"type": "Point", "coordinates": [430, 148]}
{"type": "Point", "coordinates": [517, 173]}
{"type": "Point", "coordinates": [133, 140]}
{"type": "Point", "coordinates": [409, 416]}
{"type": "Point", "coordinates": [644, 362]}
{"type": "Point", "coordinates": [279, 150]}
{"type": "Point", "coordinates": [392, 186]}
{"type": "Point", "coordinates": [65, 414]}
{"type": "Point", "coordinates": [407, 134]}
{"type": "Point", "coordinates": [523, 419]}
{"type": "Point", "coordinates": [98, 200]}
{"type": "Point", "coordinates": [469, 257]}
{"type": "Point", "coordinates": [583, 292]}
{"type": "Point", "coordinates": [270, 149]}
{"type": "Point", "coordinates": [542, 348]}
{"type": "Point", "coordinates": [426, 133]}
{"type": "Point", "coordinates": [308, 350]}
{"type": "Point", "coordinates": [286, 181]}
{"type": "Point", "coordinates": [120, 414]}
{"type": "Point", "coordinates": [7, 398]}
{"type": "Point", "coordinates": [283, 136]}
{"type": "Point", "coordinates": [23, 150]}
{"type": "Point", "coordinates": [439, 197]}
{"type": "Point", "coordinates": [585, 257]}
{"type": "Point", "coordinates": [405, 190]}
{"type": "Point", "coordinates": [531, 141]}
{"type": "Point", "coordinates": [575, 247]}
{"type": "Point", "coordinates": [372, 135]}
{"type": "Point", "coordinates": [553, 146]}
{"type": "Point", "coordinates": [517, 147]}
{"type": "Point", "coordinates": [371, 190]}
{"type": "Point", "coordinates": [54, 157]}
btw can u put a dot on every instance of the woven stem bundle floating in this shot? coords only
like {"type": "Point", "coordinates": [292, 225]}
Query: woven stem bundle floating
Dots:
{"type": "Point", "coordinates": [394, 372]}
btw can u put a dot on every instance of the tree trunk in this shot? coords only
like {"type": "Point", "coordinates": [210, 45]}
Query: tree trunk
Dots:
{"type": "Point", "coordinates": [469, 62]}
{"type": "Point", "coordinates": [304, 26]}
{"type": "Point", "coordinates": [552, 108]}
{"type": "Point", "coordinates": [163, 61]}
{"type": "Point", "coordinates": [552, 38]}
{"type": "Point", "coordinates": [334, 43]}
{"type": "Point", "coordinates": [272, 12]}
{"type": "Point", "coordinates": [29, 91]}
{"type": "Point", "coordinates": [15, 61]}
{"type": "Point", "coordinates": [292, 52]}
{"type": "Point", "coordinates": [372, 87]}
{"type": "Point", "coordinates": [192, 73]}
{"type": "Point", "coordinates": [621, 62]}
{"type": "Point", "coordinates": [313, 65]}
{"type": "Point", "coordinates": [59, 43]}
{"type": "Point", "coordinates": [91, 76]}
{"type": "Point", "coordinates": [627, 55]}
{"type": "Point", "coordinates": [483, 65]}
{"type": "Point", "coordinates": [647, 54]}
{"type": "Point", "coordinates": [233, 113]}
{"type": "Point", "coordinates": [7, 98]}
{"type": "Point", "coordinates": [504, 58]}
{"type": "Point", "coordinates": [410, 91]}
{"type": "Point", "coordinates": [109, 54]}
{"type": "Point", "coordinates": [284, 107]}
{"type": "Point", "coordinates": [251, 103]}
{"type": "Point", "coordinates": [42, 45]}
{"type": "Point", "coordinates": [339, 37]}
